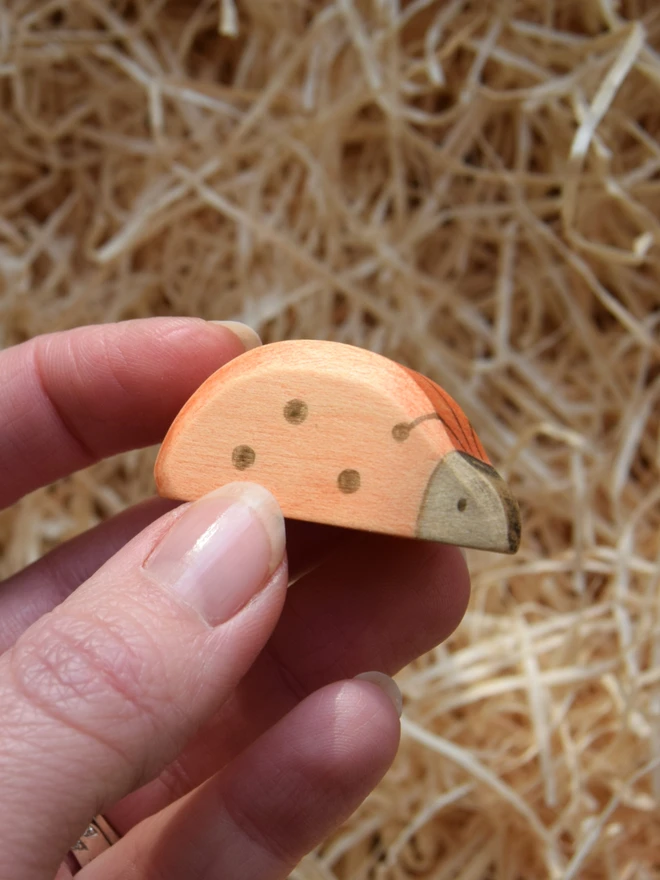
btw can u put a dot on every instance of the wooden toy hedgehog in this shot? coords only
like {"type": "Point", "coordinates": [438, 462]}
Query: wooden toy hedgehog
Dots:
{"type": "Point", "coordinates": [342, 436]}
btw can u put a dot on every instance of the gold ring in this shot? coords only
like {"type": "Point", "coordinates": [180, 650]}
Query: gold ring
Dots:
{"type": "Point", "coordinates": [95, 839]}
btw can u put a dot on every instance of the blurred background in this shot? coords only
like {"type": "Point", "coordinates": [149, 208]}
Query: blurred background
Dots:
{"type": "Point", "coordinates": [473, 189]}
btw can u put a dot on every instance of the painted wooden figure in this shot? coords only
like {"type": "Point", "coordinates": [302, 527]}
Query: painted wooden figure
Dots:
{"type": "Point", "coordinates": [342, 436]}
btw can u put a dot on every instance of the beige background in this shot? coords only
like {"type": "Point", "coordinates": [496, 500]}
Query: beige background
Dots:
{"type": "Point", "coordinates": [471, 188]}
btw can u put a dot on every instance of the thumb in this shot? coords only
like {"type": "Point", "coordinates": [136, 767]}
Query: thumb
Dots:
{"type": "Point", "coordinates": [102, 693]}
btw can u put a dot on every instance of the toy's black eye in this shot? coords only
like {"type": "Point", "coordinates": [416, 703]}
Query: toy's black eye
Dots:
{"type": "Point", "coordinates": [462, 504]}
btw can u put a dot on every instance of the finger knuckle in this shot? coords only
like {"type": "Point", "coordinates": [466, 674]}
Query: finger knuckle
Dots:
{"type": "Point", "coordinates": [80, 668]}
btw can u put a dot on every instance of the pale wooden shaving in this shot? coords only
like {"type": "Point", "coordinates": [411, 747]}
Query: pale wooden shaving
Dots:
{"type": "Point", "coordinates": [228, 18]}
{"type": "Point", "coordinates": [471, 188]}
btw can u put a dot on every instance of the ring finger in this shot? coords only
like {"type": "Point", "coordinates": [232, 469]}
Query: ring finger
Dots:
{"type": "Point", "coordinates": [259, 816]}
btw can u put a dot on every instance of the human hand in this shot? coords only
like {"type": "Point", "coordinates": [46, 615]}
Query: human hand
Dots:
{"type": "Point", "coordinates": [151, 670]}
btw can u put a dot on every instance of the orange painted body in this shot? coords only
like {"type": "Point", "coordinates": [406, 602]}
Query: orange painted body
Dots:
{"type": "Point", "coordinates": [338, 434]}
{"type": "Point", "coordinates": [452, 416]}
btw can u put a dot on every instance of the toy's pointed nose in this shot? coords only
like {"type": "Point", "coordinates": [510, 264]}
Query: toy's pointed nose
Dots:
{"type": "Point", "coordinates": [468, 503]}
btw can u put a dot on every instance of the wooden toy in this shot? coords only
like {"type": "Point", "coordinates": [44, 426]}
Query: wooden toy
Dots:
{"type": "Point", "coordinates": [342, 436]}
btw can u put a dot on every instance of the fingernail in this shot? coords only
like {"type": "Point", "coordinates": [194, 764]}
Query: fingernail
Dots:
{"type": "Point", "coordinates": [222, 550]}
{"type": "Point", "coordinates": [387, 685]}
{"type": "Point", "coordinates": [249, 337]}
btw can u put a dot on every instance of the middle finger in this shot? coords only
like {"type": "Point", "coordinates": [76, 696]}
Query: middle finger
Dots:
{"type": "Point", "coordinates": [376, 603]}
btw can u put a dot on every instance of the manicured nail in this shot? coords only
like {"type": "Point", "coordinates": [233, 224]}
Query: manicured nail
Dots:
{"type": "Point", "coordinates": [387, 685]}
{"type": "Point", "coordinates": [222, 550]}
{"type": "Point", "coordinates": [249, 337]}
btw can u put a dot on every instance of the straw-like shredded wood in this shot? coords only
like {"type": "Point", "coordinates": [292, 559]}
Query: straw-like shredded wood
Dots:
{"type": "Point", "coordinates": [472, 188]}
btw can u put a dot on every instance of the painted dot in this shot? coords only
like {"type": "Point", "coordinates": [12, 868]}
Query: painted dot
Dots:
{"type": "Point", "coordinates": [296, 411]}
{"type": "Point", "coordinates": [401, 432]}
{"type": "Point", "coordinates": [243, 457]}
{"type": "Point", "coordinates": [349, 481]}
{"type": "Point", "coordinates": [462, 504]}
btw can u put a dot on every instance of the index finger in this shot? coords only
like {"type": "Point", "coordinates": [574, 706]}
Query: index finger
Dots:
{"type": "Point", "coordinates": [69, 399]}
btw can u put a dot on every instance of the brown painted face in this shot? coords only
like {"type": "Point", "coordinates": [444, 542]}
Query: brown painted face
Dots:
{"type": "Point", "coordinates": [468, 503]}
{"type": "Point", "coordinates": [342, 436]}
